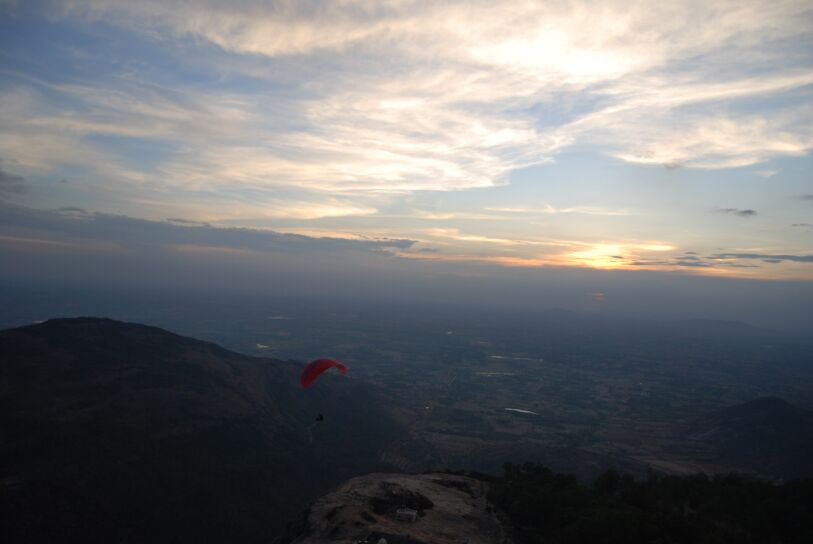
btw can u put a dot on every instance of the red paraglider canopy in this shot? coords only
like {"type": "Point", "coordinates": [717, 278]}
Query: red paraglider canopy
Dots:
{"type": "Point", "coordinates": [313, 369]}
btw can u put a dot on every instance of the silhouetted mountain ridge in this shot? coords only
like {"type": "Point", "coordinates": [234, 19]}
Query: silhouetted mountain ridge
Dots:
{"type": "Point", "coordinates": [113, 430]}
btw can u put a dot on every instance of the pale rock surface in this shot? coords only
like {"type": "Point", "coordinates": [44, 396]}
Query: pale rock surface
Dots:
{"type": "Point", "coordinates": [451, 510]}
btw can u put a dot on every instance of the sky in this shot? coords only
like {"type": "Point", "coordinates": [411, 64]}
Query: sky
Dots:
{"type": "Point", "coordinates": [534, 143]}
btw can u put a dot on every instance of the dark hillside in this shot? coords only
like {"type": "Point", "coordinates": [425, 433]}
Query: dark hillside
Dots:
{"type": "Point", "coordinates": [119, 432]}
{"type": "Point", "coordinates": [554, 508]}
{"type": "Point", "coordinates": [766, 435]}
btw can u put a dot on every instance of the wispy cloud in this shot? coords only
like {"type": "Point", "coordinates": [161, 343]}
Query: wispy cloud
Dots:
{"type": "Point", "coordinates": [362, 98]}
{"type": "Point", "coordinates": [628, 255]}
{"type": "Point", "coordinates": [678, 263]}
{"type": "Point", "coordinates": [380, 119]}
{"type": "Point", "coordinates": [548, 209]}
{"type": "Point", "coordinates": [747, 212]}
{"type": "Point", "coordinates": [614, 255]}
{"type": "Point", "coordinates": [764, 257]}
{"type": "Point", "coordinates": [11, 184]}
{"type": "Point", "coordinates": [77, 228]}
{"type": "Point", "coordinates": [539, 252]}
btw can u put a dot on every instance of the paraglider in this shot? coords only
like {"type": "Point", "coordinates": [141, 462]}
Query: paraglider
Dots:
{"type": "Point", "coordinates": [313, 369]}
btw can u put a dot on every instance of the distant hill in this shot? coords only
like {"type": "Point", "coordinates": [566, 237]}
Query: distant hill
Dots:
{"type": "Point", "coordinates": [119, 432]}
{"type": "Point", "coordinates": [707, 327]}
{"type": "Point", "coordinates": [766, 435]}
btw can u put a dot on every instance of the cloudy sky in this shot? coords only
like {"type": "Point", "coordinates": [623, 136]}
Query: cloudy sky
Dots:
{"type": "Point", "coordinates": [651, 136]}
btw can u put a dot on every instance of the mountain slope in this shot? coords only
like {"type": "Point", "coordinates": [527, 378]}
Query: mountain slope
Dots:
{"type": "Point", "coordinates": [113, 431]}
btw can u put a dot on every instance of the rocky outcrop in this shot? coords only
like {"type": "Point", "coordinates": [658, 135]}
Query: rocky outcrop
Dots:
{"type": "Point", "coordinates": [446, 508]}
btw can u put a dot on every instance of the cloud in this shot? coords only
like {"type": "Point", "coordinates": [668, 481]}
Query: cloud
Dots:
{"type": "Point", "coordinates": [597, 258]}
{"type": "Point", "coordinates": [710, 265]}
{"type": "Point", "coordinates": [805, 197]}
{"type": "Point", "coordinates": [764, 257]}
{"type": "Point", "coordinates": [458, 236]}
{"type": "Point", "coordinates": [673, 263]}
{"type": "Point", "coordinates": [357, 98]}
{"type": "Point", "coordinates": [11, 184]}
{"type": "Point", "coordinates": [722, 263]}
{"type": "Point", "coordinates": [803, 225]}
{"type": "Point", "coordinates": [548, 209]}
{"type": "Point", "coordinates": [67, 225]}
{"type": "Point", "coordinates": [533, 253]}
{"type": "Point", "coordinates": [181, 221]}
{"type": "Point", "coordinates": [72, 209]}
{"type": "Point", "coordinates": [691, 263]}
{"type": "Point", "coordinates": [737, 211]}
{"type": "Point", "coordinates": [710, 140]}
